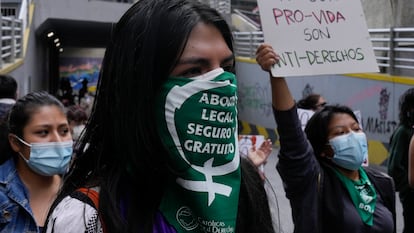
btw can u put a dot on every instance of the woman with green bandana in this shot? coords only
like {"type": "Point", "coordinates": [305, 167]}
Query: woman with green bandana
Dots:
{"type": "Point", "coordinates": [159, 153]}
{"type": "Point", "coordinates": [328, 189]}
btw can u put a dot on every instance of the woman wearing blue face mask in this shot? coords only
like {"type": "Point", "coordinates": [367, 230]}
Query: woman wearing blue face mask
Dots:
{"type": "Point", "coordinates": [40, 149]}
{"type": "Point", "coordinates": [321, 168]}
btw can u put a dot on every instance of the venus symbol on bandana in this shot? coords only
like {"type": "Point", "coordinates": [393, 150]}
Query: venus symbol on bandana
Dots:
{"type": "Point", "coordinates": [181, 94]}
{"type": "Point", "coordinates": [198, 127]}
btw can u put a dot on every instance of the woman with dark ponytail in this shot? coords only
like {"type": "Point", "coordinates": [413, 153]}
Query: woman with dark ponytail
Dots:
{"type": "Point", "coordinates": [36, 155]}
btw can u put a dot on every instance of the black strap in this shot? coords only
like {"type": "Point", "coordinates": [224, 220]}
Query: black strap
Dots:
{"type": "Point", "coordinates": [83, 198]}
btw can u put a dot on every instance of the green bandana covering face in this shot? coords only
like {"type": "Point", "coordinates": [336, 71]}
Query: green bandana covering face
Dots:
{"type": "Point", "coordinates": [197, 122]}
{"type": "Point", "coordinates": [363, 195]}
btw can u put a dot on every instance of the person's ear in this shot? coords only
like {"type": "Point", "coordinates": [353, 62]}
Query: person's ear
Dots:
{"type": "Point", "coordinates": [16, 95]}
{"type": "Point", "coordinates": [327, 152]}
{"type": "Point", "coordinates": [14, 143]}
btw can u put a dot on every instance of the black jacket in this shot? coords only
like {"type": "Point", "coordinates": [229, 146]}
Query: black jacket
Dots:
{"type": "Point", "coordinates": [320, 202]}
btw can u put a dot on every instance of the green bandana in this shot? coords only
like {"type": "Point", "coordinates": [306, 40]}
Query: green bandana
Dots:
{"type": "Point", "coordinates": [198, 125]}
{"type": "Point", "coordinates": [363, 195]}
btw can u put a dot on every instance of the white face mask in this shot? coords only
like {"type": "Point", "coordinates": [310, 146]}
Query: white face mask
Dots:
{"type": "Point", "coordinates": [77, 130]}
{"type": "Point", "coordinates": [351, 150]}
{"type": "Point", "coordinates": [49, 158]}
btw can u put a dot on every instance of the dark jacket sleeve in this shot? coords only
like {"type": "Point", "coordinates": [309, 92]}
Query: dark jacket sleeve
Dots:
{"type": "Point", "coordinates": [299, 170]}
{"type": "Point", "coordinates": [297, 164]}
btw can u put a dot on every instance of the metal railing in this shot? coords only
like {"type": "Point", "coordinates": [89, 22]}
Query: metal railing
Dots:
{"type": "Point", "coordinates": [11, 40]}
{"type": "Point", "coordinates": [246, 43]}
{"type": "Point", "coordinates": [393, 48]}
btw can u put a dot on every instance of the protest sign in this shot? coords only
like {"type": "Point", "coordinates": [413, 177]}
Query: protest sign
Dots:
{"type": "Point", "coordinates": [304, 116]}
{"type": "Point", "coordinates": [317, 36]}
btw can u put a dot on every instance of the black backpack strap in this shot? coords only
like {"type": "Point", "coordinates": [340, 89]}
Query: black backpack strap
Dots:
{"type": "Point", "coordinates": [88, 196]}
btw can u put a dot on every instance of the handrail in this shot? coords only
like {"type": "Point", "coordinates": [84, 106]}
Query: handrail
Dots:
{"type": "Point", "coordinates": [245, 14]}
{"type": "Point", "coordinates": [11, 40]}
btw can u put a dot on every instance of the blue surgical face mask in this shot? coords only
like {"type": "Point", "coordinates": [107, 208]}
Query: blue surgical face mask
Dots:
{"type": "Point", "coordinates": [350, 150]}
{"type": "Point", "coordinates": [49, 158]}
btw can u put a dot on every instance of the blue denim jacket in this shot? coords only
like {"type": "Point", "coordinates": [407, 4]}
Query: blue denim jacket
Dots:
{"type": "Point", "coordinates": [15, 213]}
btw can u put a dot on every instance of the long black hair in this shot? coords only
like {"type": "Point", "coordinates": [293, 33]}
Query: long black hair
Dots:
{"type": "Point", "coordinates": [120, 150]}
{"type": "Point", "coordinates": [310, 102]}
{"type": "Point", "coordinates": [8, 87]}
{"type": "Point", "coordinates": [406, 108]}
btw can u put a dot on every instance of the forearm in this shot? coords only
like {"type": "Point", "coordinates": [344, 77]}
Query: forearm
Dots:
{"type": "Point", "coordinates": [281, 97]}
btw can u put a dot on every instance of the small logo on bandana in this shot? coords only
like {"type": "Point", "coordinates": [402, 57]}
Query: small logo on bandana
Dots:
{"type": "Point", "coordinates": [198, 125]}
{"type": "Point", "coordinates": [186, 218]}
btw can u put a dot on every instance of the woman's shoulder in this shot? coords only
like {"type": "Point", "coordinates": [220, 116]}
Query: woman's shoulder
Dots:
{"type": "Point", "coordinates": [10, 182]}
{"type": "Point", "coordinates": [376, 172]}
{"type": "Point", "coordinates": [384, 186]}
{"type": "Point", "coordinates": [380, 178]}
{"type": "Point", "coordinates": [401, 132]}
{"type": "Point", "coordinates": [72, 214]}
{"type": "Point", "coordinates": [7, 171]}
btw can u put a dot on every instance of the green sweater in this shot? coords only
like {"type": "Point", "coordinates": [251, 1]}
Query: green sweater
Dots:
{"type": "Point", "coordinates": [398, 159]}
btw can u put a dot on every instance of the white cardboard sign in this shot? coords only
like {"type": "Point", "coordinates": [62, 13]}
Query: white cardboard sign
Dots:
{"type": "Point", "coordinates": [316, 37]}
{"type": "Point", "coordinates": [304, 116]}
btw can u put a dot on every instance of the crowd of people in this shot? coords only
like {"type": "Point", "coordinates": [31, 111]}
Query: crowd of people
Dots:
{"type": "Point", "coordinates": [158, 152]}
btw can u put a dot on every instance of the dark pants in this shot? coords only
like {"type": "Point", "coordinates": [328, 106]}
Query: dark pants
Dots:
{"type": "Point", "coordinates": [408, 213]}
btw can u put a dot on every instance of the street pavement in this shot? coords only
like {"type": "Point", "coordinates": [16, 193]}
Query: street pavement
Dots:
{"type": "Point", "coordinates": [280, 206]}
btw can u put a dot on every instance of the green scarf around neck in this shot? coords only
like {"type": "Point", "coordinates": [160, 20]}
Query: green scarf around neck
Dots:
{"type": "Point", "coordinates": [362, 193]}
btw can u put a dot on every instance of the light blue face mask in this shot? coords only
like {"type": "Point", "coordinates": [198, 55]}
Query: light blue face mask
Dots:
{"type": "Point", "coordinates": [351, 150]}
{"type": "Point", "coordinates": [49, 158]}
